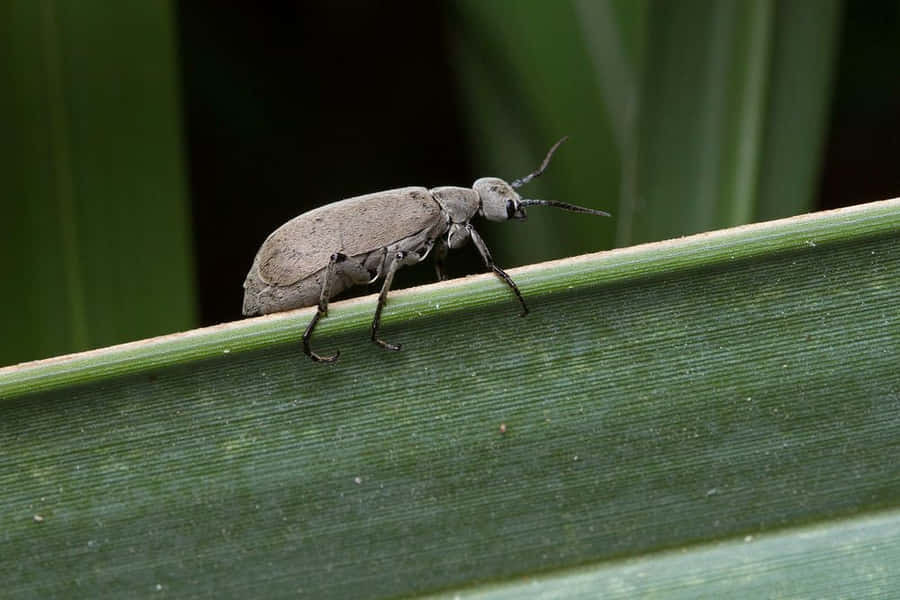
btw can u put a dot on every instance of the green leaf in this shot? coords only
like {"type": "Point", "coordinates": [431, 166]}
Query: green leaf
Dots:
{"type": "Point", "coordinates": [844, 558]}
{"type": "Point", "coordinates": [680, 396]}
{"type": "Point", "coordinates": [805, 45]}
{"type": "Point", "coordinates": [95, 235]}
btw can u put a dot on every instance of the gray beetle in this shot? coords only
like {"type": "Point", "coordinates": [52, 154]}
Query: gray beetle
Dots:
{"type": "Point", "coordinates": [320, 253]}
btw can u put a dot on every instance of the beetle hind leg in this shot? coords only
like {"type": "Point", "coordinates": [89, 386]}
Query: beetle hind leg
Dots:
{"type": "Point", "coordinates": [306, 335]}
{"type": "Point", "coordinates": [322, 310]}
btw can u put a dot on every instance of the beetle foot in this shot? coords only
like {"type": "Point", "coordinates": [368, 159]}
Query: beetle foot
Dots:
{"type": "Point", "coordinates": [325, 359]}
{"type": "Point", "coordinates": [386, 345]}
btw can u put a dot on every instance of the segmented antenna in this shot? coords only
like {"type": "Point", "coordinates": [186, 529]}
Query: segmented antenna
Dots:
{"type": "Point", "coordinates": [563, 205]}
{"type": "Point", "coordinates": [540, 170]}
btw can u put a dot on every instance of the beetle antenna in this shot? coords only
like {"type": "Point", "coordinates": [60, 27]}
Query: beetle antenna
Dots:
{"type": "Point", "coordinates": [540, 170]}
{"type": "Point", "coordinates": [564, 206]}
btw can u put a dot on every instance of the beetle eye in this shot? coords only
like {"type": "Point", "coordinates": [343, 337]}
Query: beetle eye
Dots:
{"type": "Point", "coordinates": [510, 209]}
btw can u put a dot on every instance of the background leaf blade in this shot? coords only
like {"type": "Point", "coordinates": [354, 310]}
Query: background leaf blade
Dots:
{"type": "Point", "coordinates": [97, 246]}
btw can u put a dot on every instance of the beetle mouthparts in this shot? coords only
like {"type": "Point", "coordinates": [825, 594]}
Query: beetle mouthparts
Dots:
{"type": "Point", "coordinates": [564, 206]}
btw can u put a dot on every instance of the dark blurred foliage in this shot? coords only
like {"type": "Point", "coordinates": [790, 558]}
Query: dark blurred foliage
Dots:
{"type": "Point", "coordinates": [291, 106]}
{"type": "Point", "coordinates": [861, 156]}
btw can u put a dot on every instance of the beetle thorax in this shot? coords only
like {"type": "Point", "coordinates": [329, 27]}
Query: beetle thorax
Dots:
{"type": "Point", "coordinates": [459, 204]}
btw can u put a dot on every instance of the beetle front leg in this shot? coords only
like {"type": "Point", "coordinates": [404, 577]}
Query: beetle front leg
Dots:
{"type": "Point", "coordinates": [322, 310]}
{"type": "Point", "coordinates": [489, 262]}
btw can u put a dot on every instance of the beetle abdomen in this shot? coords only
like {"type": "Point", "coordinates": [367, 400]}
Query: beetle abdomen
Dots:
{"type": "Point", "coordinates": [288, 271]}
{"type": "Point", "coordinates": [354, 226]}
{"type": "Point", "coordinates": [260, 298]}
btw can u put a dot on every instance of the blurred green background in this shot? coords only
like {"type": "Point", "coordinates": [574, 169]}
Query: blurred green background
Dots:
{"type": "Point", "coordinates": [148, 148]}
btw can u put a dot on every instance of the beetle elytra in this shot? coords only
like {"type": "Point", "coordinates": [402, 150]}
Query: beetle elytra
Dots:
{"type": "Point", "coordinates": [320, 253]}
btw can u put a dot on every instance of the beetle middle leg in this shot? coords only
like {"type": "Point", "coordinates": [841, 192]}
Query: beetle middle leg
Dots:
{"type": "Point", "coordinates": [440, 253]}
{"type": "Point", "coordinates": [400, 259]}
{"type": "Point", "coordinates": [489, 262]}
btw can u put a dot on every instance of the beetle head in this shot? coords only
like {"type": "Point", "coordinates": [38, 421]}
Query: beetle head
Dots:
{"type": "Point", "coordinates": [499, 201]}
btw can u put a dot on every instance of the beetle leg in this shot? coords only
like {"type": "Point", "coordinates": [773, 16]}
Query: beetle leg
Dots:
{"type": "Point", "coordinates": [440, 253]}
{"type": "Point", "coordinates": [380, 266]}
{"type": "Point", "coordinates": [489, 262]}
{"type": "Point", "coordinates": [322, 310]}
{"type": "Point", "coordinates": [401, 258]}
{"type": "Point", "coordinates": [420, 256]}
